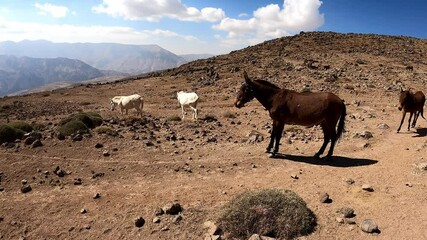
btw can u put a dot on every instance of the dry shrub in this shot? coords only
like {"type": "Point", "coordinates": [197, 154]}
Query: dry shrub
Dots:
{"type": "Point", "coordinates": [72, 127]}
{"type": "Point", "coordinates": [90, 119]}
{"type": "Point", "coordinates": [9, 133]}
{"type": "Point", "coordinates": [24, 126]}
{"type": "Point", "coordinates": [268, 212]}
{"type": "Point", "coordinates": [106, 130]}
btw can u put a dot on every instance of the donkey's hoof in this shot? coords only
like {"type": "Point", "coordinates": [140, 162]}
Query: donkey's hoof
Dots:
{"type": "Point", "coordinates": [317, 156]}
{"type": "Point", "coordinates": [272, 155]}
{"type": "Point", "coordinates": [267, 150]}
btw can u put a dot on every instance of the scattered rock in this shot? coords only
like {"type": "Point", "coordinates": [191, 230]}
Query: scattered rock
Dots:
{"type": "Point", "coordinates": [156, 220]}
{"type": "Point", "coordinates": [99, 145]}
{"type": "Point", "coordinates": [59, 172]}
{"type": "Point", "coordinates": [26, 188]}
{"type": "Point", "coordinates": [83, 211]}
{"type": "Point", "coordinates": [367, 188]}
{"type": "Point", "coordinates": [346, 212]}
{"type": "Point", "coordinates": [139, 222]}
{"type": "Point", "coordinates": [369, 226]}
{"type": "Point", "coordinates": [324, 198]}
{"type": "Point", "coordinates": [60, 136]}
{"type": "Point", "coordinates": [106, 153]}
{"type": "Point", "coordinates": [422, 166]}
{"type": "Point", "coordinates": [77, 137]}
{"type": "Point", "coordinates": [364, 135]}
{"type": "Point", "coordinates": [255, 137]}
{"type": "Point", "coordinates": [383, 126]}
{"type": "Point", "coordinates": [36, 143]}
{"type": "Point", "coordinates": [97, 196]}
{"type": "Point", "coordinates": [165, 228]}
{"type": "Point", "coordinates": [172, 208]}
{"type": "Point", "coordinates": [159, 211]}
{"type": "Point", "coordinates": [78, 181]}
{"type": "Point", "coordinates": [258, 237]}
{"type": "Point", "coordinates": [177, 219]}
{"type": "Point", "coordinates": [349, 181]}
{"type": "Point", "coordinates": [294, 176]}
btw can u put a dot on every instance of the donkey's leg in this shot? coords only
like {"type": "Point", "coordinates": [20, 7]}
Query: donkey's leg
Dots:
{"type": "Point", "coordinates": [270, 145]}
{"type": "Point", "coordinates": [326, 138]}
{"type": "Point", "coordinates": [416, 115]}
{"type": "Point", "coordinates": [278, 134]}
{"type": "Point", "coordinates": [182, 111]}
{"type": "Point", "coordinates": [333, 141]}
{"type": "Point", "coordinates": [409, 121]}
{"type": "Point", "coordinates": [401, 121]}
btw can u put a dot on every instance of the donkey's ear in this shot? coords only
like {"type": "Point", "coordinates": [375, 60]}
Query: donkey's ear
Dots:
{"type": "Point", "coordinates": [247, 79]}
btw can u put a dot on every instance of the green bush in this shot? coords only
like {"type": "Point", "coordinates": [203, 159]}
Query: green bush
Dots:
{"type": "Point", "coordinates": [9, 133]}
{"type": "Point", "coordinates": [173, 118]}
{"type": "Point", "coordinates": [90, 119]}
{"type": "Point", "coordinates": [72, 127]}
{"type": "Point", "coordinates": [269, 212]}
{"type": "Point", "coordinates": [38, 126]}
{"type": "Point", "coordinates": [24, 126]}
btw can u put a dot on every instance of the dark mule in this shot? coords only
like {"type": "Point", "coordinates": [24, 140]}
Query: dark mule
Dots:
{"type": "Point", "coordinates": [412, 103]}
{"type": "Point", "coordinates": [290, 107]}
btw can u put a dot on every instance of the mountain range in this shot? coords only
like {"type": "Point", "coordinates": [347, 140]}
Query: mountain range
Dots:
{"type": "Point", "coordinates": [30, 64]}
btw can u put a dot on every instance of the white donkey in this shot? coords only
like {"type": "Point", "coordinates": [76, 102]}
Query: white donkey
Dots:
{"type": "Point", "coordinates": [189, 99]}
{"type": "Point", "coordinates": [128, 102]}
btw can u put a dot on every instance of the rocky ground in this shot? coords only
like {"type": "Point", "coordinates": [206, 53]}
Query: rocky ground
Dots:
{"type": "Point", "coordinates": [97, 186]}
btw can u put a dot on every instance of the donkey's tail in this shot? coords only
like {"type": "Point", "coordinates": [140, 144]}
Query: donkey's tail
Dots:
{"type": "Point", "coordinates": [341, 124]}
{"type": "Point", "coordinates": [422, 115]}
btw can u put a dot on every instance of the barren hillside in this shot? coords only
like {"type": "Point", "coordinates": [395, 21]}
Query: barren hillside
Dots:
{"type": "Point", "coordinates": [203, 164]}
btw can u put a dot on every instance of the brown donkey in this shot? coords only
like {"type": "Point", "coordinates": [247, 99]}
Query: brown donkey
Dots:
{"type": "Point", "coordinates": [290, 107]}
{"type": "Point", "coordinates": [412, 103]}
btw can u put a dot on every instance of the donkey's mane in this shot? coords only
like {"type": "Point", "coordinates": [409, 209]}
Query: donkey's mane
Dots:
{"type": "Point", "coordinates": [266, 83]}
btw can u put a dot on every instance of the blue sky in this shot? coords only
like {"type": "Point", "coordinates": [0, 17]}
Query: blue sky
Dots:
{"type": "Point", "coordinates": [204, 26]}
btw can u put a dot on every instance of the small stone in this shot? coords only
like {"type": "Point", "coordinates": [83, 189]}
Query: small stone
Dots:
{"type": "Point", "coordinates": [106, 153]}
{"type": "Point", "coordinates": [177, 219]}
{"type": "Point", "coordinates": [408, 184]}
{"type": "Point", "coordinates": [294, 176]}
{"type": "Point", "coordinates": [83, 211]}
{"type": "Point", "coordinates": [87, 226]}
{"type": "Point", "coordinates": [77, 137]}
{"type": "Point", "coordinates": [340, 219]}
{"type": "Point", "coordinates": [349, 181]}
{"type": "Point", "coordinates": [369, 226]}
{"type": "Point", "coordinates": [36, 143]}
{"type": "Point", "coordinates": [346, 212]}
{"type": "Point", "coordinates": [23, 181]}
{"type": "Point", "coordinates": [324, 198]}
{"type": "Point", "coordinates": [156, 220]}
{"type": "Point", "coordinates": [367, 188]}
{"type": "Point", "coordinates": [99, 145]}
{"type": "Point", "coordinates": [139, 222]}
{"type": "Point", "coordinates": [159, 211]}
{"type": "Point", "coordinates": [165, 228]}
{"type": "Point", "coordinates": [97, 196]}
{"type": "Point", "coordinates": [172, 208]}
{"type": "Point", "coordinates": [78, 181]}
{"type": "Point", "coordinates": [26, 188]}
{"type": "Point", "coordinates": [383, 126]}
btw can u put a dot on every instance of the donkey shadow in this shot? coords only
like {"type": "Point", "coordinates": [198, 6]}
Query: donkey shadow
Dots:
{"type": "Point", "coordinates": [335, 161]}
{"type": "Point", "coordinates": [421, 132]}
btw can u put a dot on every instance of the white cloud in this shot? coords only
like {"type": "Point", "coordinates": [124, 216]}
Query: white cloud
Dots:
{"type": "Point", "coordinates": [53, 10]}
{"type": "Point", "coordinates": [272, 21]}
{"type": "Point", "coordinates": [154, 10]}
{"type": "Point", "coordinates": [172, 41]}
